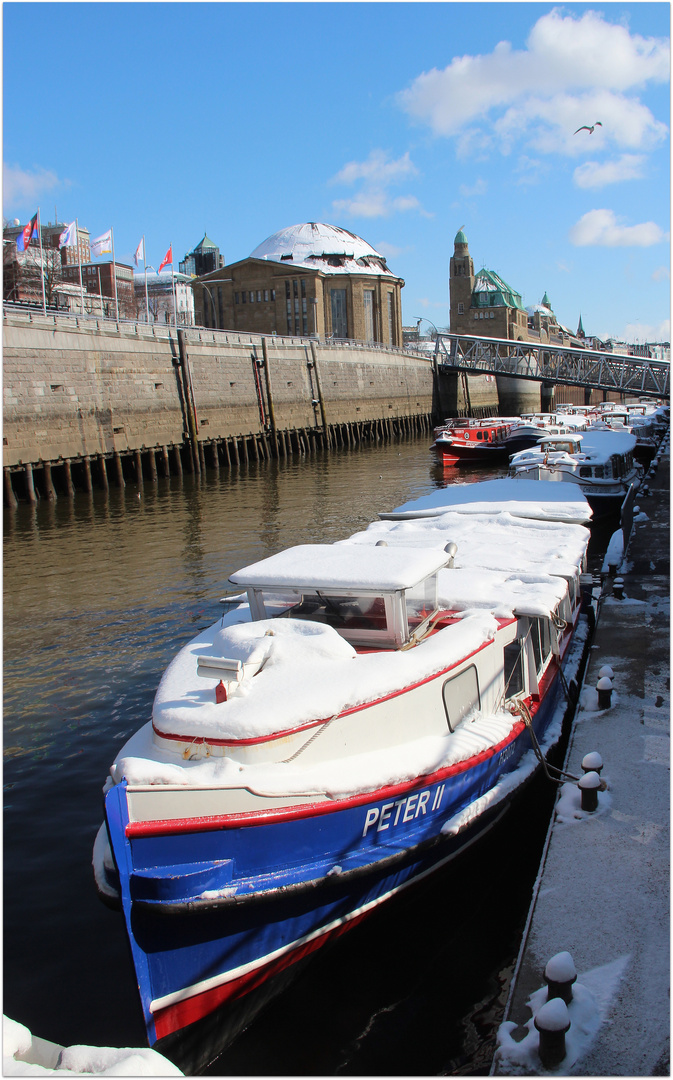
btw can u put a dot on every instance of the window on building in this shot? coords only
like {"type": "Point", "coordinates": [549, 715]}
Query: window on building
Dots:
{"type": "Point", "coordinates": [461, 309]}
{"type": "Point", "coordinates": [391, 319]}
{"type": "Point", "coordinates": [339, 313]}
{"type": "Point", "coordinates": [219, 306]}
{"type": "Point", "coordinates": [235, 297]}
{"type": "Point", "coordinates": [252, 297]}
{"type": "Point", "coordinates": [259, 296]}
{"type": "Point", "coordinates": [368, 297]}
{"type": "Point", "coordinates": [244, 297]}
{"type": "Point", "coordinates": [288, 304]}
{"type": "Point", "coordinates": [303, 288]}
{"type": "Point", "coordinates": [295, 291]}
{"type": "Point", "coordinates": [273, 294]}
{"type": "Point", "coordinates": [287, 287]}
{"type": "Point", "coordinates": [266, 294]}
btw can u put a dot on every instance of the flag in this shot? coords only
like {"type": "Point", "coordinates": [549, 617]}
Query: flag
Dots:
{"type": "Point", "coordinates": [101, 244]}
{"type": "Point", "coordinates": [29, 231]}
{"type": "Point", "coordinates": [168, 258]}
{"type": "Point", "coordinates": [140, 252]}
{"type": "Point", "coordinates": [68, 237]}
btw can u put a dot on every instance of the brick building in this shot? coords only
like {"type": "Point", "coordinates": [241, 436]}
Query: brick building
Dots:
{"type": "Point", "coordinates": [98, 281]}
{"type": "Point", "coordinates": [22, 269]}
{"type": "Point", "coordinates": [311, 279]}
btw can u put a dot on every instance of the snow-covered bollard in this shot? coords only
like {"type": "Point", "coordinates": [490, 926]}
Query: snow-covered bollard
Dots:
{"type": "Point", "coordinates": [559, 975]}
{"type": "Point", "coordinates": [592, 762]}
{"type": "Point", "coordinates": [604, 688]}
{"type": "Point", "coordinates": [589, 786]}
{"type": "Point", "coordinates": [645, 490]}
{"type": "Point", "coordinates": [606, 672]}
{"type": "Point", "coordinates": [618, 588]}
{"type": "Point", "coordinates": [552, 1021]}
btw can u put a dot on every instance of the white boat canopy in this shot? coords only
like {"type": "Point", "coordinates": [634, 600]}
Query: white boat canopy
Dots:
{"type": "Point", "coordinates": [341, 566]}
{"type": "Point", "coordinates": [520, 498]}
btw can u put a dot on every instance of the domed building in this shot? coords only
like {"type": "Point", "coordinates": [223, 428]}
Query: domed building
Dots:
{"type": "Point", "coordinates": [311, 279]}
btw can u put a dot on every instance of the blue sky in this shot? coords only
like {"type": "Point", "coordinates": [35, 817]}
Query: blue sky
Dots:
{"type": "Point", "coordinates": [402, 122]}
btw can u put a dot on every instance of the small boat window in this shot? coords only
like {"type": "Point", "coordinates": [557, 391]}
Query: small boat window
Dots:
{"type": "Point", "coordinates": [541, 641]}
{"type": "Point", "coordinates": [341, 612]}
{"type": "Point", "coordinates": [421, 601]}
{"type": "Point", "coordinates": [599, 472]}
{"type": "Point", "coordinates": [479, 435]}
{"type": "Point", "coordinates": [461, 696]}
{"type": "Point", "coordinates": [513, 662]}
{"type": "Point", "coordinates": [585, 470]}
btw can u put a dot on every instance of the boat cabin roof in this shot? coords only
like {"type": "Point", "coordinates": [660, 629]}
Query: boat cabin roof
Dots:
{"type": "Point", "coordinates": [343, 566]}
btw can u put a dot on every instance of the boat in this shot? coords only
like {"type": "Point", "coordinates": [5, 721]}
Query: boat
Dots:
{"type": "Point", "coordinates": [477, 442]}
{"type": "Point", "coordinates": [600, 462]}
{"type": "Point", "coordinates": [361, 714]}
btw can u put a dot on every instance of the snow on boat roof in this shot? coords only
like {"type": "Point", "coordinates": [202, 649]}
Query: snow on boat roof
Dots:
{"type": "Point", "coordinates": [520, 498]}
{"type": "Point", "coordinates": [502, 542]}
{"type": "Point", "coordinates": [601, 443]}
{"type": "Point", "coordinates": [336, 566]}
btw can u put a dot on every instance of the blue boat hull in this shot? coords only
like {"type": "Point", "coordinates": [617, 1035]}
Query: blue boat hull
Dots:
{"type": "Point", "coordinates": [215, 912]}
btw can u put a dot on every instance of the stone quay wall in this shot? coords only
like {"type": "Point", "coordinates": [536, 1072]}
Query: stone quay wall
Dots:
{"type": "Point", "coordinates": [84, 391]}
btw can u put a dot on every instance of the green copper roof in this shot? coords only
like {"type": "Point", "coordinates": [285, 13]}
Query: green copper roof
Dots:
{"type": "Point", "coordinates": [546, 302]}
{"type": "Point", "coordinates": [491, 291]}
{"type": "Point", "coordinates": [205, 245]}
{"type": "Point", "coordinates": [460, 237]}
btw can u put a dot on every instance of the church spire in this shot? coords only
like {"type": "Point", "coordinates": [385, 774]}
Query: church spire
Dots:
{"type": "Point", "coordinates": [580, 328]}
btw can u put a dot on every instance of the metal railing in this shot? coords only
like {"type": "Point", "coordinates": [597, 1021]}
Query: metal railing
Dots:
{"type": "Point", "coordinates": [619, 372]}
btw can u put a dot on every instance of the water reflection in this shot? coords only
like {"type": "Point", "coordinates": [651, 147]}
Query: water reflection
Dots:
{"type": "Point", "coordinates": [99, 593]}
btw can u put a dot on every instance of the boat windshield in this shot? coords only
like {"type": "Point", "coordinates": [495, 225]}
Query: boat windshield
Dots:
{"type": "Point", "coordinates": [341, 612]}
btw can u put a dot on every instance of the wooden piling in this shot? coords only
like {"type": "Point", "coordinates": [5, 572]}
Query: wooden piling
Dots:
{"type": "Point", "coordinates": [214, 456]}
{"type": "Point", "coordinates": [119, 469]}
{"type": "Point", "coordinates": [49, 489]}
{"type": "Point", "coordinates": [104, 483]}
{"type": "Point", "coordinates": [152, 462]}
{"type": "Point", "coordinates": [269, 398]}
{"type": "Point", "coordinates": [165, 462]}
{"type": "Point", "coordinates": [177, 460]}
{"type": "Point", "coordinates": [30, 484]}
{"type": "Point", "coordinates": [88, 482]}
{"type": "Point", "coordinates": [10, 498]}
{"type": "Point", "coordinates": [67, 476]}
{"type": "Point", "coordinates": [139, 468]}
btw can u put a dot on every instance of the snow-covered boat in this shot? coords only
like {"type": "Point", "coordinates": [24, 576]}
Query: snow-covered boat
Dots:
{"type": "Point", "coordinates": [600, 462]}
{"type": "Point", "coordinates": [362, 713]}
{"type": "Point", "coordinates": [477, 442]}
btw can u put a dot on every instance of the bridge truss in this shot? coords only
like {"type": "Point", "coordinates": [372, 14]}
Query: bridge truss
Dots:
{"type": "Point", "coordinates": [553, 364]}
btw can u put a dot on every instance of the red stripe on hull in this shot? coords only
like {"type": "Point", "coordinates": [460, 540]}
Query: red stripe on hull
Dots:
{"type": "Point", "coordinates": [176, 1017]}
{"type": "Point", "coordinates": [289, 813]}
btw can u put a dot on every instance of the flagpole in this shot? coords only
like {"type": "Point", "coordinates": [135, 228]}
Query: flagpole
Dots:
{"type": "Point", "coordinates": [39, 233]}
{"type": "Point", "coordinates": [114, 271]}
{"type": "Point", "coordinates": [147, 303]}
{"type": "Point", "coordinates": [175, 303]}
{"type": "Point", "coordinates": [79, 263]}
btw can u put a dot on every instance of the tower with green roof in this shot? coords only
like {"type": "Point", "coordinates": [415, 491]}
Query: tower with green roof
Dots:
{"type": "Point", "coordinates": [461, 282]}
{"type": "Point", "coordinates": [203, 259]}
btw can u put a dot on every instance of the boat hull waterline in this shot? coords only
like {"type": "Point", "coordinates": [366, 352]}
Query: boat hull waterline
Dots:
{"type": "Point", "coordinates": [239, 941]}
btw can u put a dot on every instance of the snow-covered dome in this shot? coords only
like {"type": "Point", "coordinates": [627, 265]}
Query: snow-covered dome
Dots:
{"type": "Point", "coordinates": [322, 247]}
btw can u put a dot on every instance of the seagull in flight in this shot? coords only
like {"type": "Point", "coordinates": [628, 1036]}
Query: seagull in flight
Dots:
{"type": "Point", "coordinates": [585, 127]}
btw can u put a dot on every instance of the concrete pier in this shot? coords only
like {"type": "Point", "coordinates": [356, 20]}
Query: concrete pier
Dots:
{"type": "Point", "coordinates": [602, 893]}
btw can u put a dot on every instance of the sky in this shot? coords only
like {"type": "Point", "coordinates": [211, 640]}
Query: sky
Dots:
{"type": "Point", "coordinates": [402, 122]}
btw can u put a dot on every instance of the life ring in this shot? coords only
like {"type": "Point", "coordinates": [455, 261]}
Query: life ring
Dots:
{"type": "Point", "coordinates": [466, 434]}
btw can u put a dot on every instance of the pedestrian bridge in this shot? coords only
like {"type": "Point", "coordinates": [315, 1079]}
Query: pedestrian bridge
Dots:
{"type": "Point", "coordinates": [553, 364]}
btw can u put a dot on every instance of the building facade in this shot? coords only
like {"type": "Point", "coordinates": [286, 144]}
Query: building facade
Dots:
{"type": "Point", "coordinates": [98, 283]}
{"type": "Point", "coordinates": [161, 299]}
{"type": "Point", "coordinates": [311, 279]}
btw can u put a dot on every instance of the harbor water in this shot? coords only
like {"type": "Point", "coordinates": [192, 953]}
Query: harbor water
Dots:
{"type": "Point", "coordinates": [100, 591]}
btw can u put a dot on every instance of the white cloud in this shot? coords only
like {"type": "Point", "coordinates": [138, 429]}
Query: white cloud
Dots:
{"type": "Point", "coordinates": [378, 172]}
{"type": "Point", "coordinates": [662, 273]}
{"type": "Point", "coordinates": [573, 71]}
{"type": "Point", "coordinates": [371, 203]}
{"type": "Point", "coordinates": [594, 174]}
{"type": "Point", "coordinates": [21, 188]}
{"type": "Point", "coordinates": [600, 228]}
{"type": "Point", "coordinates": [378, 169]}
{"type": "Point", "coordinates": [652, 332]}
{"type": "Point", "coordinates": [479, 187]}
{"type": "Point", "coordinates": [388, 250]}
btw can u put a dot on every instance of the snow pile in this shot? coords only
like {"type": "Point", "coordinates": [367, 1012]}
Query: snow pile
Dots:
{"type": "Point", "coordinates": [592, 996]}
{"type": "Point", "coordinates": [25, 1055]}
{"type": "Point", "coordinates": [500, 541]}
{"type": "Point", "coordinates": [518, 497]}
{"type": "Point", "coordinates": [615, 551]}
{"type": "Point", "coordinates": [143, 763]}
{"type": "Point", "coordinates": [569, 806]}
{"type": "Point", "coordinates": [311, 683]}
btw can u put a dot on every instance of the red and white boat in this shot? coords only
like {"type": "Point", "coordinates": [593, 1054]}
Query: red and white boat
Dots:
{"type": "Point", "coordinates": [476, 442]}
